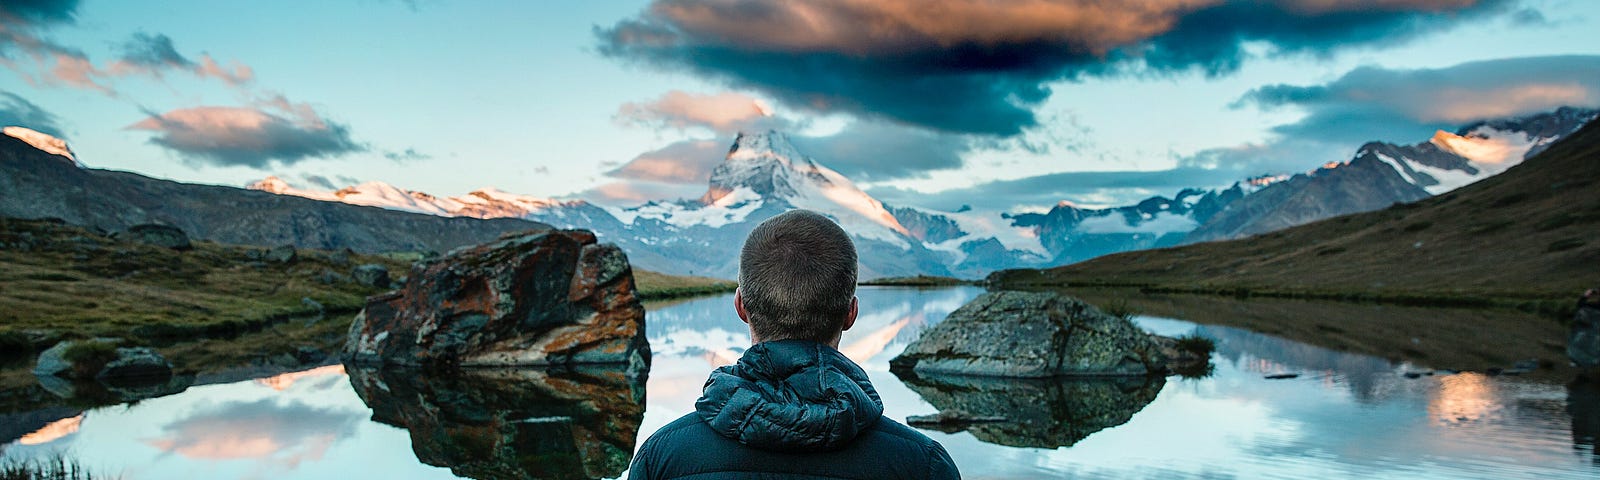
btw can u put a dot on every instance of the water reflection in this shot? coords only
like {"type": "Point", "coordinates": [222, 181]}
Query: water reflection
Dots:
{"type": "Point", "coordinates": [287, 432]}
{"type": "Point", "coordinates": [1583, 403]}
{"type": "Point", "coordinates": [1037, 413]}
{"type": "Point", "coordinates": [511, 423]}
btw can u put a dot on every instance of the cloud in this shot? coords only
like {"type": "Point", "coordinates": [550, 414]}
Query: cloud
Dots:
{"type": "Point", "coordinates": [249, 136]}
{"type": "Point", "coordinates": [38, 12]}
{"type": "Point", "coordinates": [319, 181]}
{"type": "Point", "coordinates": [15, 110]}
{"type": "Point", "coordinates": [981, 67]}
{"type": "Point", "coordinates": [409, 155]}
{"type": "Point", "coordinates": [1163, 223]}
{"type": "Point", "coordinates": [726, 113]}
{"type": "Point", "coordinates": [1043, 191]}
{"type": "Point", "coordinates": [877, 151]}
{"type": "Point", "coordinates": [1403, 106]}
{"type": "Point", "coordinates": [686, 162]}
{"type": "Point", "coordinates": [153, 54]}
{"type": "Point", "coordinates": [632, 193]}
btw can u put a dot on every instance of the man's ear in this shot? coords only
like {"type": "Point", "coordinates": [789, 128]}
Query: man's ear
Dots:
{"type": "Point", "coordinates": [850, 320]}
{"type": "Point", "coordinates": [738, 306]}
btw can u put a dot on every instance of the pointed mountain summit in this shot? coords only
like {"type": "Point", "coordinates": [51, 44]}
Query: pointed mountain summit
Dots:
{"type": "Point", "coordinates": [768, 166]}
{"type": "Point", "coordinates": [42, 141]}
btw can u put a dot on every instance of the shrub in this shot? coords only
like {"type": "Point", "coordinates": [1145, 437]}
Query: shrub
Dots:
{"type": "Point", "coordinates": [1120, 309]}
{"type": "Point", "coordinates": [49, 468]}
{"type": "Point", "coordinates": [1196, 344]}
{"type": "Point", "coordinates": [89, 356]}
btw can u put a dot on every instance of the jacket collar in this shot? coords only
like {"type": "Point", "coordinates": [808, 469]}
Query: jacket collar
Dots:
{"type": "Point", "coordinates": [790, 395]}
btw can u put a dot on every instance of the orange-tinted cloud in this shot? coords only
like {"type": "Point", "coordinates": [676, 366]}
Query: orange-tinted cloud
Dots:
{"type": "Point", "coordinates": [280, 132]}
{"type": "Point", "coordinates": [726, 112]}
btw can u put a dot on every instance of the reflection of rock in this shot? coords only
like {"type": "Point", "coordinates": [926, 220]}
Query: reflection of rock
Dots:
{"type": "Point", "coordinates": [1032, 334]}
{"type": "Point", "coordinates": [114, 391]}
{"type": "Point", "coordinates": [545, 298]}
{"type": "Point", "coordinates": [1583, 403]}
{"type": "Point", "coordinates": [511, 423]}
{"type": "Point", "coordinates": [1037, 413]}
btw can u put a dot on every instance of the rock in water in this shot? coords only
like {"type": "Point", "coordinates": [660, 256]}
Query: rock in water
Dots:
{"type": "Point", "coordinates": [371, 275]}
{"type": "Point", "coordinates": [1583, 339]}
{"type": "Point", "coordinates": [1032, 413]}
{"type": "Point", "coordinates": [548, 298]}
{"type": "Point", "coordinates": [1032, 334]}
{"type": "Point", "coordinates": [158, 235]}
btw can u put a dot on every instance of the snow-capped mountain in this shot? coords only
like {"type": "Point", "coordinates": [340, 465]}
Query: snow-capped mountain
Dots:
{"type": "Point", "coordinates": [763, 175]}
{"type": "Point", "coordinates": [1382, 174]}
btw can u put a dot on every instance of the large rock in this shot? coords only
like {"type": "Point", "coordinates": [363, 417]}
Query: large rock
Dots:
{"type": "Point", "coordinates": [158, 235]}
{"type": "Point", "coordinates": [511, 423]}
{"type": "Point", "coordinates": [101, 359]}
{"type": "Point", "coordinates": [545, 298]}
{"type": "Point", "coordinates": [1032, 334]}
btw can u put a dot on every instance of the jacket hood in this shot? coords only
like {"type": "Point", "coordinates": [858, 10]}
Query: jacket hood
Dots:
{"type": "Point", "coordinates": [790, 395]}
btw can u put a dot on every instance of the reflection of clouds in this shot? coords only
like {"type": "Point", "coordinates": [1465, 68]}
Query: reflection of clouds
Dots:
{"type": "Point", "coordinates": [283, 381]}
{"type": "Point", "coordinates": [53, 431]}
{"type": "Point", "coordinates": [264, 429]}
{"type": "Point", "coordinates": [866, 347]}
{"type": "Point", "coordinates": [1463, 397]}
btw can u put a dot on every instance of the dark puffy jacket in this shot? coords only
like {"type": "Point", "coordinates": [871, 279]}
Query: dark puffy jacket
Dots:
{"type": "Point", "coordinates": [790, 409]}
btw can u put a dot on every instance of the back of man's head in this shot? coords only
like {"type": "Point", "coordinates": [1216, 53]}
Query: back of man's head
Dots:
{"type": "Point", "coordinates": [797, 277]}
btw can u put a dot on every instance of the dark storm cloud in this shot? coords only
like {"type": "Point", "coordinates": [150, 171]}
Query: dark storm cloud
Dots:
{"type": "Point", "coordinates": [245, 136]}
{"type": "Point", "coordinates": [37, 11]}
{"type": "Point", "coordinates": [982, 67]}
{"type": "Point", "coordinates": [15, 110]}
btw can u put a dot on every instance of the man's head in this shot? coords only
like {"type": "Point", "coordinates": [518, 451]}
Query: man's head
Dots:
{"type": "Point", "coordinates": [797, 279]}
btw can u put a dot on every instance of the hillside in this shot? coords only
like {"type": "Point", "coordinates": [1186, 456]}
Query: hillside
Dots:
{"type": "Point", "coordinates": [1529, 233]}
{"type": "Point", "coordinates": [37, 184]}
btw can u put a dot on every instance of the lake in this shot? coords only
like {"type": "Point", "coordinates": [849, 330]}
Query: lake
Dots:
{"type": "Point", "coordinates": [1345, 415]}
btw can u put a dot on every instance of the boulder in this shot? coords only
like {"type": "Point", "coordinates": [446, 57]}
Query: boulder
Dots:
{"type": "Point", "coordinates": [1032, 334]}
{"type": "Point", "coordinates": [549, 298]}
{"type": "Point", "coordinates": [371, 275]}
{"type": "Point", "coordinates": [158, 235]}
{"type": "Point", "coordinates": [135, 362]}
{"type": "Point", "coordinates": [281, 254]}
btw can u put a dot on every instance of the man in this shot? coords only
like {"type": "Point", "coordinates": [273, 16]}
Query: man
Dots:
{"type": "Point", "coordinates": [793, 406]}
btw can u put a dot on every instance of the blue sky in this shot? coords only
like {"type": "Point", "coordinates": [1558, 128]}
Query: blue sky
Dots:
{"type": "Point", "coordinates": [1004, 105]}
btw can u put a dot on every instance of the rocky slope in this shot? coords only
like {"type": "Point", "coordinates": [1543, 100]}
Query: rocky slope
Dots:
{"type": "Point", "coordinates": [38, 184]}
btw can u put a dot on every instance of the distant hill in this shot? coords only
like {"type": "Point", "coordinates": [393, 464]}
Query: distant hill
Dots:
{"type": "Point", "coordinates": [35, 183]}
{"type": "Point", "coordinates": [1532, 232]}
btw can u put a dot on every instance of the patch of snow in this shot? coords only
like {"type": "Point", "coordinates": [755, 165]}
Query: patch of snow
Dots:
{"type": "Point", "coordinates": [1395, 164]}
{"type": "Point", "coordinates": [1490, 150]}
{"type": "Point", "coordinates": [731, 208]}
{"type": "Point", "coordinates": [42, 141]}
{"type": "Point", "coordinates": [984, 224]}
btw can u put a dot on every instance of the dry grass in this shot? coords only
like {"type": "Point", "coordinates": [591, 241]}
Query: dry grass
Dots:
{"type": "Point", "coordinates": [658, 286]}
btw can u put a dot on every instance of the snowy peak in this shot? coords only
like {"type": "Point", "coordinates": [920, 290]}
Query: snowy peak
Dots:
{"type": "Point", "coordinates": [767, 164]}
{"type": "Point", "coordinates": [271, 184]}
{"type": "Point", "coordinates": [43, 141]}
{"type": "Point", "coordinates": [483, 203]}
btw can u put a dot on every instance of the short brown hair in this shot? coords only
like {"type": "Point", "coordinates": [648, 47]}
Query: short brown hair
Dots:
{"type": "Point", "coordinates": [797, 276]}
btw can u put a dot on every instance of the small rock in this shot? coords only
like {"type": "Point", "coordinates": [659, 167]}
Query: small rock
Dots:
{"type": "Point", "coordinates": [1412, 375]}
{"type": "Point", "coordinates": [158, 235]}
{"type": "Point", "coordinates": [1281, 376]}
{"type": "Point", "coordinates": [255, 254]}
{"type": "Point", "coordinates": [951, 418]}
{"type": "Point", "coordinates": [136, 362]}
{"type": "Point", "coordinates": [1527, 365]}
{"type": "Point", "coordinates": [53, 362]}
{"type": "Point", "coordinates": [282, 254]}
{"type": "Point", "coordinates": [331, 277]}
{"type": "Point", "coordinates": [371, 275]}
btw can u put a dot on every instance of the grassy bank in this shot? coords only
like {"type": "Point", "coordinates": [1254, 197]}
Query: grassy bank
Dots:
{"type": "Point", "coordinates": [59, 281]}
{"type": "Point", "coordinates": [660, 286]}
{"type": "Point", "coordinates": [1451, 338]}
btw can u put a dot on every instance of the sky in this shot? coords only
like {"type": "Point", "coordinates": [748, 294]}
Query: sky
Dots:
{"type": "Point", "coordinates": [1007, 105]}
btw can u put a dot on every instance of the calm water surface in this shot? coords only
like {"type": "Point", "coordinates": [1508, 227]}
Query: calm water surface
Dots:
{"type": "Point", "coordinates": [1345, 416]}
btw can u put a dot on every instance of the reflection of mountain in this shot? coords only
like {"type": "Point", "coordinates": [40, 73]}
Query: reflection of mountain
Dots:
{"type": "Point", "coordinates": [1369, 378]}
{"type": "Point", "coordinates": [1038, 413]}
{"type": "Point", "coordinates": [511, 423]}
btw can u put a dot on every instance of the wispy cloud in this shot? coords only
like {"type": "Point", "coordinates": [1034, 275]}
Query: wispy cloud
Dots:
{"type": "Point", "coordinates": [15, 110]}
{"type": "Point", "coordinates": [274, 131]}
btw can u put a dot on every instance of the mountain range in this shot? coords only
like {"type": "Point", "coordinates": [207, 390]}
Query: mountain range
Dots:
{"type": "Point", "coordinates": [764, 174]}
